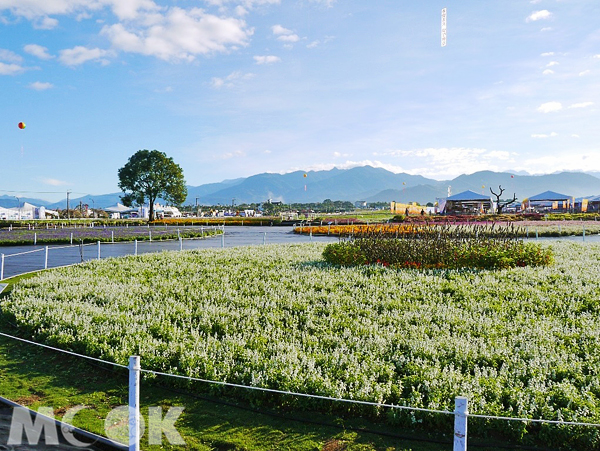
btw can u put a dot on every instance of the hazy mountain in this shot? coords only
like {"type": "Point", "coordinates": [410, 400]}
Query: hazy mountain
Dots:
{"type": "Point", "coordinates": [364, 183]}
{"type": "Point", "coordinates": [337, 184]}
{"type": "Point", "coordinates": [7, 201]}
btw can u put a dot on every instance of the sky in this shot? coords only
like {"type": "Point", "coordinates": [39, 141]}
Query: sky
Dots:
{"type": "Point", "coordinates": [233, 88]}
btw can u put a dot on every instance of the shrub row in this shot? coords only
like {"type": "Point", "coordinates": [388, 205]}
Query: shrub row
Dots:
{"type": "Point", "coordinates": [440, 247]}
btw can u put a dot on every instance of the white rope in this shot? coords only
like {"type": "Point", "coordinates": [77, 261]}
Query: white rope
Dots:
{"type": "Point", "coordinates": [532, 420]}
{"type": "Point", "coordinates": [23, 253]}
{"type": "Point", "coordinates": [62, 350]}
{"type": "Point", "coordinates": [306, 395]}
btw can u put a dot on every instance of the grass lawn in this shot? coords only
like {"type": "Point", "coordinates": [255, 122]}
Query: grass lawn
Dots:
{"type": "Point", "coordinates": [35, 377]}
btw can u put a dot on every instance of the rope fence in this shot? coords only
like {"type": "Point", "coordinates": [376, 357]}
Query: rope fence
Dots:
{"type": "Point", "coordinates": [460, 413]}
{"type": "Point", "coordinates": [81, 257]}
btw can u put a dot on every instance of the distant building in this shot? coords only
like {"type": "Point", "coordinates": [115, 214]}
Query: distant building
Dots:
{"type": "Point", "coordinates": [467, 203]}
{"type": "Point", "coordinates": [591, 205]}
{"type": "Point", "coordinates": [26, 211]}
{"type": "Point", "coordinates": [361, 204]}
{"type": "Point", "coordinates": [549, 202]}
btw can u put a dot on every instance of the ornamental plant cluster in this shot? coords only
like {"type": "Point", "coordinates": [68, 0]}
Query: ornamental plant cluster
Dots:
{"type": "Point", "coordinates": [439, 247]}
{"type": "Point", "coordinates": [522, 342]}
{"type": "Point", "coordinates": [103, 234]}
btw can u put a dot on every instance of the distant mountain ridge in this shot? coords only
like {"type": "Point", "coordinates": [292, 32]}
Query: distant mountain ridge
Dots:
{"type": "Point", "coordinates": [364, 183]}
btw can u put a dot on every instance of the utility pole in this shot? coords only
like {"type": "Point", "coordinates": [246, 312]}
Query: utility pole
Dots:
{"type": "Point", "coordinates": [19, 209]}
{"type": "Point", "coordinates": [68, 192]}
{"type": "Point", "coordinates": [197, 212]}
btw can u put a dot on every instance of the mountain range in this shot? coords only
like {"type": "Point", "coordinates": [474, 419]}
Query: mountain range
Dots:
{"type": "Point", "coordinates": [363, 183]}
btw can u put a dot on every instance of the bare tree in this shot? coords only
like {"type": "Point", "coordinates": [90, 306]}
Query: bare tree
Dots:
{"type": "Point", "coordinates": [500, 205]}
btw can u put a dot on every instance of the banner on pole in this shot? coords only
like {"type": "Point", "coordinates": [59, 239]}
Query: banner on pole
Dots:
{"type": "Point", "coordinates": [444, 27]}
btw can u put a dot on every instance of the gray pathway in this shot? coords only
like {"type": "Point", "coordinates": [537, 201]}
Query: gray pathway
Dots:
{"type": "Point", "coordinates": [60, 255]}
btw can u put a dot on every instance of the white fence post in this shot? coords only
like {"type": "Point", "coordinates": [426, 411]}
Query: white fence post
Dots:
{"type": "Point", "coordinates": [71, 237]}
{"type": "Point", "coordinates": [223, 238]}
{"type": "Point", "coordinates": [2, 268]}
{"type": "Point", "coordinates": [149, 234]}
{"type": "Point", "coordinates": [135, 248]}
{"type": "Point", "coordinates": [134, 403]}
{"type": "Point", "coordinates": [180, 243]}
{"type": "Point", "coordinates": [112, 236]}
{"type": "Point", "coordinates": [265, 238]}
{"type": "Point", "coordinates": [98, 250]}
{"type": "Point", "coordinates": [35, 238]}
{"type": "Point", "coordinates": [461, 410]}
{"type": "Point", "coordinates": [46, 259]}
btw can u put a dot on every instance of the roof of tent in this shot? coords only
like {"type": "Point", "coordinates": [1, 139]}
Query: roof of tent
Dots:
{"type": "Point", "coordinates": [550, 195]}
{"type": "Point", "coordinates": [119, 208]}
{"type": "Point", "coordinates": [468, 195]}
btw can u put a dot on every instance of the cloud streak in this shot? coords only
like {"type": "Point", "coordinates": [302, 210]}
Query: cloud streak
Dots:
{"type": "Point", "coordinates": [539, 15]}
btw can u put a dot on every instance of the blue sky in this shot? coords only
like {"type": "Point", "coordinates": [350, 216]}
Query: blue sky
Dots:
{"type": "Point", "coordinates": [231, 88]}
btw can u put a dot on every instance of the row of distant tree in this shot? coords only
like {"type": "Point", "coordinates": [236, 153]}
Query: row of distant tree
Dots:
{"type": "Point", "coordinates": [274, 208]}
{"type": "Point", "coordinates": [150, 175]}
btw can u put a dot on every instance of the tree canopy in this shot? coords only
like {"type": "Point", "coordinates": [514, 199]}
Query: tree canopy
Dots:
{"type": "Point", "coordinates": [149, 175]}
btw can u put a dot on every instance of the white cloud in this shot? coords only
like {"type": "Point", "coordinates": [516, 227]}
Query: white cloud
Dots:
{"type": "Point", "coordinates": [327, 3]}
{"type": "Point", "coordinates": [581, 105]}
{"type": "Point", "coordinates": [40, 86]}
{"type": "Point", "coordinates": [54, 182]}
{"type": "Point", "coordinates": [230, 155]}
{"type": "Point", "coordinates": [597, 56]}
{"type": "Point", "coordinates": [551, 135]}
{"type": "Point", "coordinates": [547, 54]}
{"type": "Point", "coordinates": [574, 136]}
{"type": "Point", "coordinates": [289, 38]}
{"type": "Point", "coordinates": [283, 34]}
{"type": "Point", "coordinates": [313, 44]}
{"type": "Point", "coordinates": [267, 59]}
{"type": "Point", "coordinates": [79, 55]}
{"type": "Point", "coordinates": [339, 154]}
{"type": "Point", "coordinates": [180, 35]}
{"type": "Point", "coordinates": [585, 72]}
{"type": "Point", "coordinates": [10, 69]}
{"type": "Point", "coordinates": [535, 1]}
{"type": "Point", "coordinates": [38, 50]}
{"type": "Point", "coordinates": [552, 63]}
{"type": "Point", "coordinates": [240, 11]}
{"type": "Point", "coordinates": [10, 57]}
{"type": "Point", "coordinates": [450, 162]}
{"type": "Point", "coordinates": [45, 23]}
{"type": "Point", "coordinates": [230, 80]}
{"type": "Point", "coordinates": [567, 161]}
{"type": "Point", "coordinates": [550, 107]}
{"type": "Point", "coordinates": [39, 10]}
{"type": "Point", "coordinates": [278, 30]}
{"type": "Point", "coordinates": [543, 30]}
{"type": "Point", "coordinates": [539, 15]}
{"type": "Point", "coordinates": [548, 72]}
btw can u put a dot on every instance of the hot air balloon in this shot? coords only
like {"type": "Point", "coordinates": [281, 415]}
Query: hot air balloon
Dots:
{"type": "Point", "coordinates": [22, 125]}
{"type": "Point", "coordinates": [305, 175]}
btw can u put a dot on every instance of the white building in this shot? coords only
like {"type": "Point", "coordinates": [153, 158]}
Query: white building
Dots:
{"type": "Point", "coordinates": [26, 211]}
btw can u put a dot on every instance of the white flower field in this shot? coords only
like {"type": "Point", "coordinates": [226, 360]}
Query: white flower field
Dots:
{"type": "Point", "coordinates": [520, 342]}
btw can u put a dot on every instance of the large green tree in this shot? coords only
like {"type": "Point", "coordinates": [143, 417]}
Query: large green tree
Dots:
{"type": "Point", "coordinates": [149, 175]}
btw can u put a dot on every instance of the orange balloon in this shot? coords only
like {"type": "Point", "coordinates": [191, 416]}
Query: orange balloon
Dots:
{"type": "Point", "coordinates": [22, 125]}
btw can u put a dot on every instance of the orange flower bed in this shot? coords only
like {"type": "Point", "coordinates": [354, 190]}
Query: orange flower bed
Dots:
{"type": "Point", "coordinates": [357, 229]}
